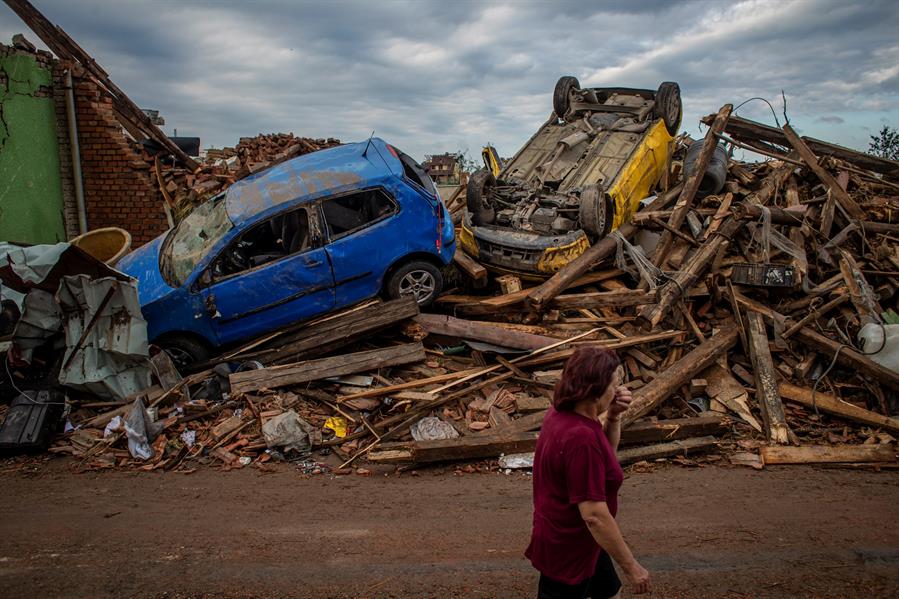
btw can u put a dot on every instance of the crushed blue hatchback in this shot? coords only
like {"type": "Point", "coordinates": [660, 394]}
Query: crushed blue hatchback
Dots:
{"type": "Point", "coordinates": [315, 234]}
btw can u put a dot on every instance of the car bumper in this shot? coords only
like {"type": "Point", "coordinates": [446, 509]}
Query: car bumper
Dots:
{"type": "Point", "coordinates": [519, 251]}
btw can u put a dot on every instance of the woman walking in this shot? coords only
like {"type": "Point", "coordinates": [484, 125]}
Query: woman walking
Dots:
{"type": "Point", "coordinates": [576, 481]}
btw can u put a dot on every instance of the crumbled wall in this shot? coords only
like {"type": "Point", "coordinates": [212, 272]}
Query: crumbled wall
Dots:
{"type": "Point", "coordinates": [118, 187]}
{"type": "Point", "coordinates": [31, 202]}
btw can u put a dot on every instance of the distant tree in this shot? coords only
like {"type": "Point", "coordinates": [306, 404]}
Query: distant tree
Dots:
{"type": "Point", "coordinates": [885, 144]}
{"type": "Point", "coordinates": [467, 163]}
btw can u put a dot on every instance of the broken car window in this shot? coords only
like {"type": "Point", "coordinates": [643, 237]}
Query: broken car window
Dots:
{"type": "Point", "coordinates": [270, 240]}
{"type": "Point", "coordinates": [193, 238]}
{"type": "Point", "coordinates": [348, 214]}
{"type": "Point", "coordinates": [416, 173]}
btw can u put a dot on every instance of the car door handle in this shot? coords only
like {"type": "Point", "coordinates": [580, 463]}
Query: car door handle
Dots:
{"type": "Point", "coordinates": [311, 262]}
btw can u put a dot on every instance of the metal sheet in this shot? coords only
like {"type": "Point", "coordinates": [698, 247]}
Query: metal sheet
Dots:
{"type": "Point", "coordinates": [112, 360]}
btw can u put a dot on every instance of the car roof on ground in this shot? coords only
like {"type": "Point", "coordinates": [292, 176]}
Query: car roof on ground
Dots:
{"type": "Point", "coordinates": [305, 178]}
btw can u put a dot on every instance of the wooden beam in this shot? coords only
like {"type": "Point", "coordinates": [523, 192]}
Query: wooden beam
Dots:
{"type": "Point", "coordinates": [691, 186]}
{"type": "Point", "coordinates": [439, 324]}
{"type": "Point", "coordinates": [842, 197]}
{"type": "Point", "coordinates": [671, 379]}
{"type": "Point", "coordinates": [602, 299]}
{"type": "Point", "coordinates": [776, 428]}
{"type": "Point", "coordinates": [470, 267]}
{"type": "Point", "coordinates": [666, 450]}
{"type": "Point", "coordinates": [848, 357]}
{"type": "Point", "coordinates": [826, 454]}
{"type": "Point", "coordinates": [331, 332]}
{"type": "Point", "coordinates": [313, 370]}
{"type": "Point", "coordinates": [659, 431]}
{"type": "Point", "coordinates": [833, 405]}
{"type": "Point", "coordinates": [745, 129]}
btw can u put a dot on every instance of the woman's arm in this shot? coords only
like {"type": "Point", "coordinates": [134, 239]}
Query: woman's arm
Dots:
{"type": "Point", "coordinates": [608, 536]}
{"type": "Point", "coordinates": [612, 427]}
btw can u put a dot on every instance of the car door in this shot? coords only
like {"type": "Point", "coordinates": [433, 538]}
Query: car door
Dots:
{"type": "Point", "coordinates": [274, 274]}
{"type": "Point", "coordinates": [363, 241]}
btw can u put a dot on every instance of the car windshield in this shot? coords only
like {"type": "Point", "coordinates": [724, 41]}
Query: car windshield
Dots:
{"type": "Point", "coordinates": [191, 240]}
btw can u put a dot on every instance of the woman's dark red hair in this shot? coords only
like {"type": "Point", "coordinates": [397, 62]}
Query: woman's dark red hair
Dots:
{"type": "Point", "coordinates": [587, 375]}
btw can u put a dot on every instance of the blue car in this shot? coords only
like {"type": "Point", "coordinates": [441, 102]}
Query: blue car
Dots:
{"type": "Point", "coordinates": [315, 234]}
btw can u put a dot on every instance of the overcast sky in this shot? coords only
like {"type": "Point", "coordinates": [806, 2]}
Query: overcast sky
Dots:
{"type": "Point", "coordinates": [446, 76]}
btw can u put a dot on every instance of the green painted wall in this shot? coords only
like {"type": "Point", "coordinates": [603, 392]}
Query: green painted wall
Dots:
{"type": "Point", "coordinates": [31, 201]}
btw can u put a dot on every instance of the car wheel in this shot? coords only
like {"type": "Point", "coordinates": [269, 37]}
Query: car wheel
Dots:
{"type": "Point", "coordinates": [419, 279]}
{"type": "Point", "coordinates": [595, 211]}
{"type": "Point", "coordinates": [668, 106]}
{"type": "Point", "coordinates": [184, 351]}
{"type": "Point", "coordinates": [477, 197]}
{"type": "Point", "coordinates": [562, 94]}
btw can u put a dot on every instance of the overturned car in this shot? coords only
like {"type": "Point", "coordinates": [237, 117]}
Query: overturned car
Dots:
{"type": "Point", "coordinates": [582, 175]}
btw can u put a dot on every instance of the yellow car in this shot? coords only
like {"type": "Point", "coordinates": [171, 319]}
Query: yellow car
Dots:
{"type": "Point", "coordinates": [582, 175]}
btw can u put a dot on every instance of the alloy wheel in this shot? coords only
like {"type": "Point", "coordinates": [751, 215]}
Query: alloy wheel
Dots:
{"type": "Point", "coordinates": [419, 284]}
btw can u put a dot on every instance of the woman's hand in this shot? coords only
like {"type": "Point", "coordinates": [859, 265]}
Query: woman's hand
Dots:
{"type": "Point", "coordinates": [638, 577]}
{"type": "Point", "coordinates": [620, 403]}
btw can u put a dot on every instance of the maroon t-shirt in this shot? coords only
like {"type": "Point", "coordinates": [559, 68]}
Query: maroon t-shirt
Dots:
{"type": "Point", "coordinates": [573, 462]}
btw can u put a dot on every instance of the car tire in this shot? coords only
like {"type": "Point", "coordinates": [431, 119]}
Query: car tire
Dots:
{"type": "Point", "coordinates": [184, 351]}
{"type": "Point", "coordinates": [595, 212]}
{"type": "Point", "coordinates": [562, 94]}
{"type": "Point", "coordinates": [477, 194]}
{"type": "Point", "coordinates": [418, 279]}
{"type": "Point", "coordinates": [668, 106]}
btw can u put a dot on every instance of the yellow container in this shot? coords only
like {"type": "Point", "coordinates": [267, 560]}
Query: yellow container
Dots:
{"type": "Point", "coordinates": [108, 244]}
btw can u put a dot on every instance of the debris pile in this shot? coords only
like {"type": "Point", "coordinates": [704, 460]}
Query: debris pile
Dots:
{"type": "Point", "coordinates": [183, 188]}
{"type": "Point", "coordinates": [754, 319]}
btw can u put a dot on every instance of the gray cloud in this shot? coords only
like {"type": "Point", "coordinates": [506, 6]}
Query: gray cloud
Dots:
{"type": "Point", "coordinates": [433, 77]}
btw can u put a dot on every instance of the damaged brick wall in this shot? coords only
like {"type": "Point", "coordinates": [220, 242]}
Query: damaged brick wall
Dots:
{"type": "Point", "coordinates": [119, 190]}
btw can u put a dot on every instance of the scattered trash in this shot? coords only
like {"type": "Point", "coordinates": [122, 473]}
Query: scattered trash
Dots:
{"type": "Point", "coordinates": [432, 429]}
{"type": "Point", "coordinates": [517, 461]}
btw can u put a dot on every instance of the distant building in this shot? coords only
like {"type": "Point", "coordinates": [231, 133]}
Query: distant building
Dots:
{"type": "Point", "coordinates": [444, 169]}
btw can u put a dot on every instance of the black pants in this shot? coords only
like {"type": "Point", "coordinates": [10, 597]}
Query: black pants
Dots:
{"type": "Point", "coordinates": [603, 584]}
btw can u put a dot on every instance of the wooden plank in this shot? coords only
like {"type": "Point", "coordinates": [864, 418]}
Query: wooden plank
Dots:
{"type": "Point", "coordinates": [842, 197]}
{"type": "Point", "coordinates": [746, 129]}
{"type": "Point", "coordinates": [472, 269]}
{"type": "Point", "coordinates": [389, 390]}
{"type": "Point", "coordinates": [686, 447]}
{"type": "Point", "coordinates": [691, 186]}
{"type": "Point", "coordinates": [643, 432]}
{"type": "Point", "coordinates": [539, 297]}
{"type": "Point", "coordinates": [602, 299]}
{"type": "Point", "coordinates": [333, 332]}
{"type": "Point", "coordinates": [848, 357]}
{"type": "Point", "coordinates": [773, 417]}
{"type": "Point", "coordinates": [833, 405]}
{"type": "Point", "coordinates": [826, 454]}
{"type": "Point", "coordinates": [671, 379]}
{"type": "Point", "coordinates": [313, 370]}
{"type": "Point", "coordinates": [440, 324]}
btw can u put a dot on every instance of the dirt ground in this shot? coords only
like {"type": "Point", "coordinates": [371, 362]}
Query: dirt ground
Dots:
{"type": "Point", "coordinates": [703, 532]}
